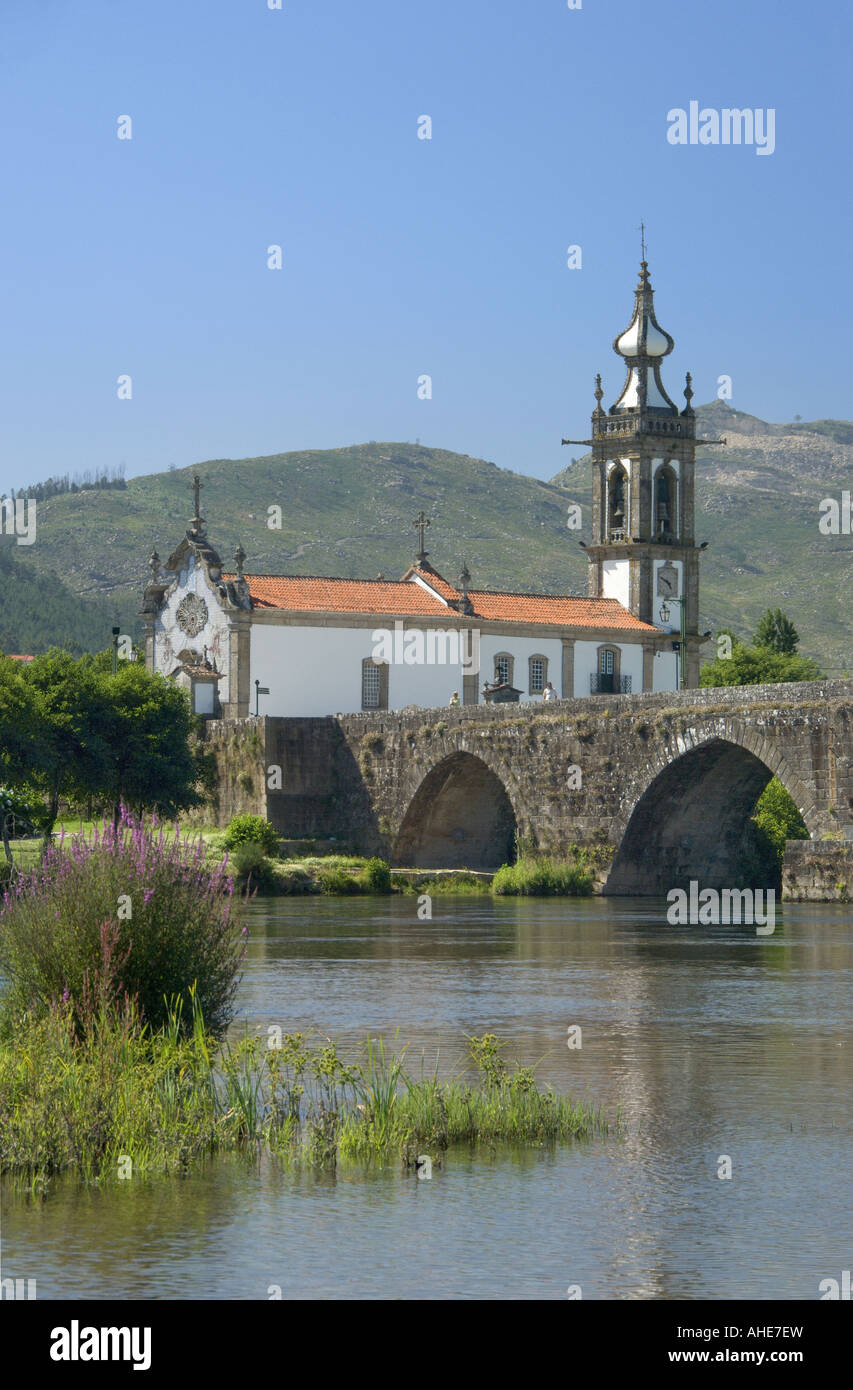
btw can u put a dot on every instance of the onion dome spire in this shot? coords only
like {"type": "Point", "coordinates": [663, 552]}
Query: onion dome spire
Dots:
{"type": "Point", "coordinates": [643, 345]}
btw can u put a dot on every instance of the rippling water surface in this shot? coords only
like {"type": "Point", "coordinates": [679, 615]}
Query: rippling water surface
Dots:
{"type": "Point", "coordinates": [712, 1040]}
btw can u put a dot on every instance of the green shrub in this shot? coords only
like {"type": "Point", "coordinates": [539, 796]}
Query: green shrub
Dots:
{"type": "Point", "coordinates": [377, 876]}
{"type": "Point", "coordinates": [542, 878]}
{"type": "Point", "coordinates": [336, 881]}
{"type": "Point", "coordinates": [129, 912]}
{"type": "Point", "coordinates": [252, 830]}
{"type": "Point", "coordinates": [249, 861]}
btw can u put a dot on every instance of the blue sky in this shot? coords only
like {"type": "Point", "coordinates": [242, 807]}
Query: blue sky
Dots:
{"type": "Point", "coordinates": [403, 257]}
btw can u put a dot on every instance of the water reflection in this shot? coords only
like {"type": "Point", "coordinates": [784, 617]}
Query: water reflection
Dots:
{"type": "Point", "coordinates": [712, 1040]}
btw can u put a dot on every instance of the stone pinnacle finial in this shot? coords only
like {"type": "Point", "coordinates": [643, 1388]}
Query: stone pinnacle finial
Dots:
{"type": "Point", "coordinates": [239, 560]}
{"type": "Point", "coordinates": [688, 394]}
{"type": "Point", "coordinates": [197, 522]}
{"type": "Point", "coordinates": [599, 395]}
{"type": "Point", "coordinates": [154, 565]}
{"type": "Point", "coordinates": [464, 582]}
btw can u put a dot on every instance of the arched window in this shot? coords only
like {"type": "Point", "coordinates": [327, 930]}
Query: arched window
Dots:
{"type": "Point", "coordinates": [374, 684]}
{"type": "Point", "coordinates": [606, 680]}
{"type": "Point", "coordinates": [503, 668]}
{"type": "Point", "coordinates": [666, 504]}
{"type": "Point", "coordinates": [617, 503]}
{"type": "Point", "coordinates": [537, 670]}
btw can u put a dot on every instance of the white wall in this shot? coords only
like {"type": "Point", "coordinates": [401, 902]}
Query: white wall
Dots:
{"type": "Point", "coordinates": [521, 648]}
{"type": "Point", "coordinates": [317, 671]}
{"type": "Point", "coordinates": [616, 581]}
{"type": "Point", "coordinates": [665, 671]}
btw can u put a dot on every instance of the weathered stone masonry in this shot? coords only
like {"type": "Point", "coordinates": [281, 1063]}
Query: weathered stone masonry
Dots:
{"type": "Point", "coordinates": [668, 780]}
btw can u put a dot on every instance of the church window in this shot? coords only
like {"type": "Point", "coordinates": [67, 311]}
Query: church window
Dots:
{"type": "Point", "coordinates": [606, 680]}
{"type": "Point", "coordinates": [503, 669]}
{"type": "Point", "coordinates": [538, 674]}
{"type": "Point", "coordinates": [374, 684]}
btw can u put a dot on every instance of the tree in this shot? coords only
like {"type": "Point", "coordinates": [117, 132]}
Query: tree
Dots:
{"type": "Point", "coordinates": [72, 752]}
{"type": "Point", "coordinates": [778, 819]}
{"type": "Point", "coordinates": [777, 632]}
{"type": "Point", "coordinates": [758, 665]}
{"type": "Point", "coordinates": [147, 728]}
{"type": "Point", "coordinates": [19, 750]}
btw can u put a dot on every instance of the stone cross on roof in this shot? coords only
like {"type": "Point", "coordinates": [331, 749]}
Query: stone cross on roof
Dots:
{"type": "Point", "coordinates": [420, 524]}
{"type": "Point", "coordinates": [195, 487]}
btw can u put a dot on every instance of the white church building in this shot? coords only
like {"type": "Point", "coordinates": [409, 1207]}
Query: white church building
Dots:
{"type": "Point", "coordinates": [279, 644]}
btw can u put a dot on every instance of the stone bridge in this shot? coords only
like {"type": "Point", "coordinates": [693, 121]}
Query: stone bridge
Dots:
{"type": "Point", "coordinates": [667, 781]}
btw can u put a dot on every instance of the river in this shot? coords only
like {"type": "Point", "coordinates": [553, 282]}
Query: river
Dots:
{"type": "Point", "coordinates": [714, 1041]}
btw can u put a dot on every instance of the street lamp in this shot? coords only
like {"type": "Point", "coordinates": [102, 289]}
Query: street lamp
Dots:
{"type": "Point", "coordinates": [664, 612]}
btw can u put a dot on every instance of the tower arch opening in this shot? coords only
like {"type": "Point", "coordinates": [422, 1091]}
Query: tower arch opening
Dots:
{"type": "Point", "coordinates": [694, 822]}
{"type": "Point", "coordinates": [666, 504]}
{"type": "Point", "coordinates": [459, 818]}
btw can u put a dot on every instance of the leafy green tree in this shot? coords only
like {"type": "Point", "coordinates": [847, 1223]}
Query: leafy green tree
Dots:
{"type": "Point", "coordinates": [72, 752]}
{"type": "Point", "coordinates": [756, 665]}
{"type": "Point", "coordinates": [19, 750]}
{"type": "Point", "coordinates": [777, 632]}
{"type": "Point", "coordinates": [778, 819]}
{"type": "Point", "coordinates": [147, 726]}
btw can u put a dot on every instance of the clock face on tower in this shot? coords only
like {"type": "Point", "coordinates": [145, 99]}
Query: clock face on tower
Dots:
{"type": "Point", "coordinates": [668, 581]}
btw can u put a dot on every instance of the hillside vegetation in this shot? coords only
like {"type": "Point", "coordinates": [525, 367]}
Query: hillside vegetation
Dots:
{"type": "Point", "coordinates": [349, 512]}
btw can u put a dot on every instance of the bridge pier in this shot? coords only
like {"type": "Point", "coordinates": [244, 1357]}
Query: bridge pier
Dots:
{"type": "Point", "coordinates": [667, 781]}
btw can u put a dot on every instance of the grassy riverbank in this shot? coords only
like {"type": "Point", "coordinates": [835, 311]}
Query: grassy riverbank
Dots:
{"type": "Point", "coordinates": [119, 1101]}
{"type": "Point", "coordinates": [346, 875]}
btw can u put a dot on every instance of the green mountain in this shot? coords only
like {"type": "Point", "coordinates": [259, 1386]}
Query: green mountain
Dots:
{"type": "Point", "coordinates": [38, 611]}
{"type": "Point", "coordinates": [349, 512]}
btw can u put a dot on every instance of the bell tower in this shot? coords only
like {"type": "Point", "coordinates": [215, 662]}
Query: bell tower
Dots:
{"type": "Point", "coordinates": [643, 549]}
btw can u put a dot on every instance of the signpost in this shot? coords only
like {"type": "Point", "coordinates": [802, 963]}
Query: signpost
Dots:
{"type": "Point", "coordinates": [259, 691]}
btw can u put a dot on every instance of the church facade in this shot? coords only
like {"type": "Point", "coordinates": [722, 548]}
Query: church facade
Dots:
{"type": "Point", "coordinates": [278, 644]}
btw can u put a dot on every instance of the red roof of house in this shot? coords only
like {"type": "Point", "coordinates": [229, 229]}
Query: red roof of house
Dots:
{"type": "Point", "coordinates": [404, 597]}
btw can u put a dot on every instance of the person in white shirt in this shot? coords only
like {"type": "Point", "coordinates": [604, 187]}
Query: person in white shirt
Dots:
{"type": "Point", "coordinates": [549, 693]}
{"type": "Point", "coordinates": [454, 699]}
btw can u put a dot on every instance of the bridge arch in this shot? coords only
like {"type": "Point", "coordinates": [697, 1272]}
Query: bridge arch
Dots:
{"type": "Point", "coordinates": [460, 817]}
{"type": "Point", "coordinates": [688, 817]}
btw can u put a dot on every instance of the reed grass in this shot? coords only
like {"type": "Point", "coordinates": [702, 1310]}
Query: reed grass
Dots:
{"type": "Point", "coordinates": [166, 1100]}
{"type": "Point", "coordinates": [543, 878]}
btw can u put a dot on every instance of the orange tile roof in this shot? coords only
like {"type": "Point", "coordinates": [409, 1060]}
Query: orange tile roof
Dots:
{"type": "Point", "coordinates": [311, 593]}
{"type": "Point", "coordinates": [563, 610]}
{"type": "Point", "coordinates": [402, 597]}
